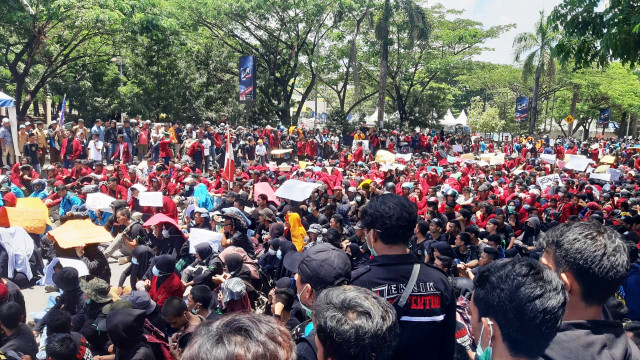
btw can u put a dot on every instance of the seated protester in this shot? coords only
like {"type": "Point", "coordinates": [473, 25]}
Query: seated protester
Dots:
{"type": "Point", "coordinates": [91, 313]}
{"type": "Point", "coordinates": [176, 314]}
{"type": "Point", "coordinates": [142, 301]}
{"type": "Point", "coordinates": [235, 232]}
{"type": "Point", "coordinates": [333, 237]}
{"type": "Point", "coordinates": [321, 267]}
{"type": "Point", "coordinates": [132, 235]}
{"type": "Point", "coordinates": [199, 301]}
{"type": "Point", "coordinates": [235, 296]}
{"type": "Point", "coordinates": [71, 295]}
{"type": "Point", "coordinates": [39, 187]}
{"type": "Point", "coordinates": [516, 309]}
{"type": "Point", "coordinates": [8, 198]}
{"type": "Point", "coordinates": [315, 235]}
{"type": "Point", "coordinates": [355, 255]}
{"type": "Point", "coordinates": [17, 335]}
{"type": "Point", "coordinates": [204, 255]}
{"type": "Point", "coordinates": [200, 219]}
{"type": "Point", "coordinates": [281, 308]}
{"type": "Point", "coordinates": [241, 336]}
{"type": "Point", "coordinates": [354, 323]}
{"type": "Point", "coordinates": [9, 291]}
{"type": "Point", "coordinates": [447, 265]}
{"type": "Point", "coordinates": [269, 261]}
{"type": "Point", "coordinates": [237, 269]}
{"type": "Point", "coordinates": [164, 283]}
{"type": "Point", "coordinates": [68, 200]}
{"type": "Point", "coordinates": [166, 239]}
{"type": "Point", "coordinates": [140, 263]}
{"type": "Point", "coordinates": [59, 323]}
{"type": "Point", "coordinates": [463, 250]}
{"type": "Point", "coordinates": [62, 346]}
{"type": "Point", "coordinates": [390, 220]}
{"type": "Point", "coordinates": [591, 261]}
{"type": "Point", "coordinates": [96, 262]}
{"type": "Point", "coordinates": [488, 256]}
{"type": "Point", "coordinates": [286, 247]}
{"type": "Point", "coordinates": [125, 329]}
{"type": "Point", "coordinates": [528, 241]}
{"type": "Point", "coordinates": [495, 241]}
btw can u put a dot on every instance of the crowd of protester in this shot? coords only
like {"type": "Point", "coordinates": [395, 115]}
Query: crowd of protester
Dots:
{"type": "Point", "coordinates": [438, 254]}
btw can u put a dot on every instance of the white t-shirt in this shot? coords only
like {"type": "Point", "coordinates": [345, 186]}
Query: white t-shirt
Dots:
{"type": "Point", "coordinates": [95, 150]}
{"type": "Point", "coordinates": [261, 150]}
{"type": "Point", "coordinates": [207, 144]}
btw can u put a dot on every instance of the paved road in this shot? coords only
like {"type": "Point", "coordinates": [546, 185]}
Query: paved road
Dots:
{"type": "Point", "coordinates": [35, 297]}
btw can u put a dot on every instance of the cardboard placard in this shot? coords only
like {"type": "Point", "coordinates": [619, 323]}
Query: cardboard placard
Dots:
{"type": "Point", "coordinates": [603, 177]}
{"type": "Point", "coordinates": [265, 188]}
{"type": "Point", "coordinates": [577, 163]}
{"type": "Point", "coordinates": [457, 148]}
{"type": "Point", "coordinates": [548, 158]}
{"type": "Point", "coordinates": [76, 233]}
{"type": "Point", "coordinates": [99, 201]}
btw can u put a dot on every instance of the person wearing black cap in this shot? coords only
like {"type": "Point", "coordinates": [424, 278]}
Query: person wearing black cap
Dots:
{"type": "Point", "coordinates": [420, 293]}
{"type": "Point", "coordinates": [321, 267]}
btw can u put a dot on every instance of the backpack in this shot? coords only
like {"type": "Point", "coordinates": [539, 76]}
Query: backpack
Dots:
{"type": "Point", "coordinates": [156, 340]}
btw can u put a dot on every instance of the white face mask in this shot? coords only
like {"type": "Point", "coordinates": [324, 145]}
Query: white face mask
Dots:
{"type": "Point", "coordinates": [272, 251]}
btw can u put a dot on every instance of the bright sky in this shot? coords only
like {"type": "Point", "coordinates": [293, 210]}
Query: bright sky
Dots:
{"type": "Point", "coordinates": [523, 13]}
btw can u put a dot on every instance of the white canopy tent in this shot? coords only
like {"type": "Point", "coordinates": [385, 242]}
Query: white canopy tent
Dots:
{"type": "Point", "coordinates": [462, 119]}
{"type": "Point", "coordinates": [450, 121]}
{"type": "Point", "coordinates": [8, 102]}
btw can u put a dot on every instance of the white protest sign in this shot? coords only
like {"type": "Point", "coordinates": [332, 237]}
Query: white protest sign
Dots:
{"type": "Point", "coordinates": [199, 236]}
{"type": "Point", "coordinates": [99, 201]}
{"type": "Point", "coordinates": [615, 174]}
{"type": "Point", "coordinates": [577, 163]}
{"type": "Point", "coordinates": [151, 198]}
{"type": "Point", "coordinates": [457, 148]}
{"type": "Point", "coordinates": [546, 181]}
{"type": "Point", "coordinates": [79, 265]}
{"type": "Point", "coordinates": [548, 158]}
{"type": "Point", "coordinates": [365, 145]}
{"type": "Point", "coordinates": [296, 190]}
{"type": "Point", "coordinates": [406, 157]}
{"type": "Point", "coordinates": [603, 177]}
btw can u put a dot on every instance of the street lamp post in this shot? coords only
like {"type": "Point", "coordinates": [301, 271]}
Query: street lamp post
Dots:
{"type": "Point", "coordinates": [119, 61]}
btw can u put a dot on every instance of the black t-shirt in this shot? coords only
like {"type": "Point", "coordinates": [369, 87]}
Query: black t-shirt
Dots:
{"type": "Point", "coordinates": [472, 254]}
{"type": "Point", "coordinates": [250, 151]}
{"type": "Point", "coordinates": [31, 151]}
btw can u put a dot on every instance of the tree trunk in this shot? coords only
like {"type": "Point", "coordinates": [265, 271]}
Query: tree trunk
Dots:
{"type": "Point", "coordinates": [534, 103]}
{"type": "Point", "coordinates": [633, 133]}
{"type": "Point", "coordinates": [384, 61]}
{"type": "Point", "coordinates": [622, 128]}
{"type": "Point", "coordinates": [574, 102]}
{"type": "Point", "coordinates": [36, 108]}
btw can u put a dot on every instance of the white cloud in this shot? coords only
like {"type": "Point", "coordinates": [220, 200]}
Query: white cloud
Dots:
{"type": "Point", "coordinates": [523, 13]}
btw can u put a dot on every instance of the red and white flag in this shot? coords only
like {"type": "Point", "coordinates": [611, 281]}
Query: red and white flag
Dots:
{"type": "Point", "coordinates": [229, 162]}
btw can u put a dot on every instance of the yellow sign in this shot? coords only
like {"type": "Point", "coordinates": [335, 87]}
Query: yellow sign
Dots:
{"type": "Point", "coordinates": [569, 119]}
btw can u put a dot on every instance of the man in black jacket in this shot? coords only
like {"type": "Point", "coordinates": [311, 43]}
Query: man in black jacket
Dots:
{"type": "Point", "coordinates": [592, 261]}
{"type": "Point", "coordinates": [421, 294]}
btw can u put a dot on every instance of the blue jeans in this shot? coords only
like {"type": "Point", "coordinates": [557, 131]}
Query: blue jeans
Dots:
{"type": "Point", "coordinates": [66, 163]}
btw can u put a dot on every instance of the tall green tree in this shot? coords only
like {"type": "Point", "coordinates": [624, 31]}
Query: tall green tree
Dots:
{"type": "Point", "coordinates": [536, 51]}
{"type": "Point", "coordinates": [418, 28]}
{"type": "Point", "coordinates": [593, 34]}
{"type": "Point", "coordinates": [42, 43]}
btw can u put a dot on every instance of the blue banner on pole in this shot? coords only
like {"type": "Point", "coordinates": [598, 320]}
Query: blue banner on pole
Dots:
{"type": "Point", "coordinates": [603, 120]}
{"type": "Point", "coordinates": [247, 78]}
{"type": "Point", "coordinates": [522, 108]}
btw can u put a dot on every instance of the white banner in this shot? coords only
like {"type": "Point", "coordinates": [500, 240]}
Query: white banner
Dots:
{"type": "Point", "coordinates": [548, 158]}
{"type": "Point", "coordinates": [99, 201]}
{"type": "Point", "coordinates": [577, 163]}
{"type": "Point", "coordinates": [296, 190]}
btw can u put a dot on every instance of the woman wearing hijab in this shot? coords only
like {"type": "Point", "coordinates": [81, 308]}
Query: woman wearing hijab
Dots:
{"type": "Point", "coordinates": [269, 262]}
{"type": "Point", "coordinates": [140, 262]}
{"type": "Point", "coordinates": [164, 280]}
{"type": "Point", "coordinates": [285, 248]}
{"type": "Point", "coordinates": [236, 296]}
{"type": "Point", "coordinates": [125, 329]}
{"type": "Point", "coordinates": [296, 230]}
{"type": "Point", "coordinates": [204, 255]}
{"type": "Point", "coordinates": [355, 255]}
